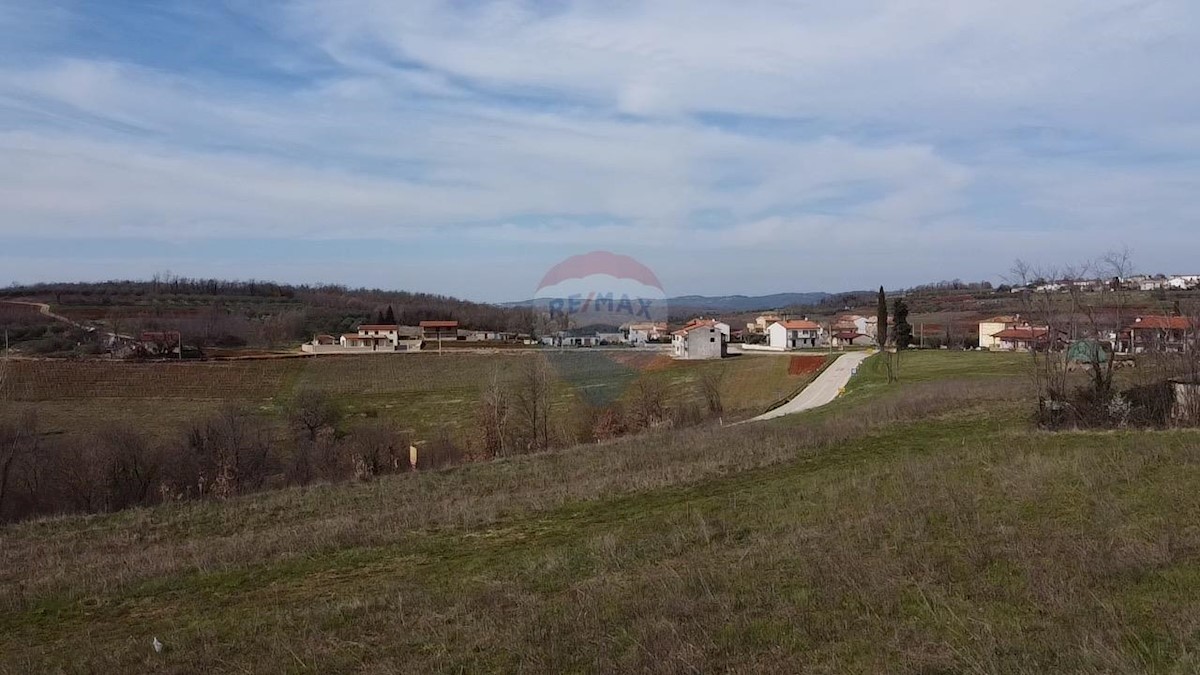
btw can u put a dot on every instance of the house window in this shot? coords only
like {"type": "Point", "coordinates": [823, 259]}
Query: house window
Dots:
{"type": "Point", "coordinates": [712, 339]}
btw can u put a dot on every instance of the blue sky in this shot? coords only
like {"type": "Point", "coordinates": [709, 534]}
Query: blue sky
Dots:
{"type": "Point", "coordinates": [465, 147]}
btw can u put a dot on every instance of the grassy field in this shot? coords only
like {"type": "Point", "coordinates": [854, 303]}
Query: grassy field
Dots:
{"type": "Point", "coordinates": [922, 527]}
{"type": "Point", "coordinates": [423, 392]}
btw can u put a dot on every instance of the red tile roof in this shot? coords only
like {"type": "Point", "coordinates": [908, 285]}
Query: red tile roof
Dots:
{"type": "Point", "coordinates": [1023, 333]}
{"type": "Point", "coordinates": [1162, 323]}
{"type": "Point", "coordinates": [439, 324]}
{"type": "Point", "coordinates": [800, 325]}
{"type": "Point", "coordinates": [160, 336]}
{"type": "Point", "coordinates": [848, 335]}
{"type": "Point", "coordinates": [707, 323]}
{"type": "Point", "coordinates": [378, 326]}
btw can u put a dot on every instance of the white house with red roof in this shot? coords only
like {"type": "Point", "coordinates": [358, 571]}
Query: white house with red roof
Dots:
{"type": "Point", "coordinates": [795, 334]}
{"type": "Point", "coordinates": [369, 338]}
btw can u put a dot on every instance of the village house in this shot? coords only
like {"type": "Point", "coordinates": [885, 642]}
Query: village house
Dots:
{"type": "Point", "coordinates": [853, 323]}
{"type": "Point", "coordinates": [761, 322]}
{"type": "Point", "coordinates": [850, 338]}
{"type": "Point", "coordinates": [641, 333]}
{"type": "Point", "coordinates": [720, 325]}
{"type": "Point", "coordinates": [988, 328]}
{"type": "Point", "coordinates": [795, 334]}
{"type": "Point", "coordinates": [562, 339]}
{"type": "Point", "coordinates": [160, 342]}
{"type": "Point", "coordinates": [699, 340]}
{"type": "Point", "coordinates": [580, 341]}
{"type": "Point", "coordinates": [1158, 334]}
{"type": "Point", "coordinates": [1025, 338]}
{"type": "Point", "coordinates": [377, 337]}
{"type": "Point", "coordinates": [872, 329]}
{"type": "Point", "coordinates": [439, 330]}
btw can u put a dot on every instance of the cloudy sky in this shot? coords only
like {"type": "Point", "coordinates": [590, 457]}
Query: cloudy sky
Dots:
{"type": "Point", "coordinates": [465, 147]}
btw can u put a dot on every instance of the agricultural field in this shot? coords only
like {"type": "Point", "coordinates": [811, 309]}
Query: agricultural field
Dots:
{"type": "Point", "coordinates": [422, 392]}
{"type": "Point", "coordinates": [922, 526]}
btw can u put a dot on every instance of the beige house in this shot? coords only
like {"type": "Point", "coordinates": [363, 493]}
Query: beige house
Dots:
{"type": "Point", "coordinates": [988, 328]}
{"type": "Point", "coordinates": [641, 333]}
{"type": "Point", "coordinates": [761, 323]}
{"type": "Point", "coordinates": [369, 338]}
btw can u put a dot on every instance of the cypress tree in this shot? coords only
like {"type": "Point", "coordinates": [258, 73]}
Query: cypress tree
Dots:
{"type": "Point", "coordinates": [390, 317]}
{"type": "Point", "coordinates": [881, 317]}
{"type": "Point", "coordinates": [903, 332]}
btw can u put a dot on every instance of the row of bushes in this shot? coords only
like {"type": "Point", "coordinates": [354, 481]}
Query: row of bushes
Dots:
{"type": "Point", "coordinates": [232, 452]}
{"type": "Point", "coordinates": [1148, 405]}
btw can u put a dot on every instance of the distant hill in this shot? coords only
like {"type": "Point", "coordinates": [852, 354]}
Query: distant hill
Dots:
{"type": "Point", "coordinates": [746, 303]}
{"type": "Point", "coordinates": [721, 303]}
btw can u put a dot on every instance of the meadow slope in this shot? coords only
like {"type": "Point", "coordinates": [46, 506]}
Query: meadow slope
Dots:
{"type": "Point", "coordinates": [423, 393]}
{"type": "Point", "coordinates": [919, 527]}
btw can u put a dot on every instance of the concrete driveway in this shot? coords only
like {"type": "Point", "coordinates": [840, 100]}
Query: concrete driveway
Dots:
{"type": "Point", "coordinates": [821, 390]}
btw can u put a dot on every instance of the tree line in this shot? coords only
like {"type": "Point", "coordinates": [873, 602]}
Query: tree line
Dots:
{"type": "Point", "coordinates": [223, 313]}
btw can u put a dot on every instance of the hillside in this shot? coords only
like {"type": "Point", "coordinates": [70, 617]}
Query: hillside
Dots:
{"type": "Point", "coordinates": [224, 313]}
{"type": "Point", "coordinates": [920, 527]}
{"type": "Point", "coordinates": [721, 303]}
{"type": "Point", "coordinates": [745, 303]}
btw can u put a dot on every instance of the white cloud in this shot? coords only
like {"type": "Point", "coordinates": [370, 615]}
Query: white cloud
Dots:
{"type": "Point", "coordinates": [688, 129]}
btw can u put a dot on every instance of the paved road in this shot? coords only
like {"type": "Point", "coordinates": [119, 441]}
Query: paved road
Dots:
{"type": "Point", "coordinates": [821, 390]}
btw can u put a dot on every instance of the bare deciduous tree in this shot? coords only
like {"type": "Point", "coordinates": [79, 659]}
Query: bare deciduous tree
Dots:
{"type": "Point", "coordinates": [227, 454]}
{"type": "Point", "coordinates": [314, 412]}
{"type": "Point", "coordinates": [18, 443]}
{"type": "Point", "coordinates": [377, 447]}
{"type": "Point", "coordinates": [1083, 330]}
{"type": "Point", "coordinates": [710, 388]}
{"type": "Point", "coordinates": [531, 405]}
{"type": "Point", "coordinates": [494, 422]}
{"type": "Point", "coordinates": [647, 406]}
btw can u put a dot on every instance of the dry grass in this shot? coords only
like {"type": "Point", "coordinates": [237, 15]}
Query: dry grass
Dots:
{"type": "Point", "coordinates": [269, 525]}
{"type": "Point", "coordinates": [918, 529]}
{"type": "Point", "coordinates": [422, 392]}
